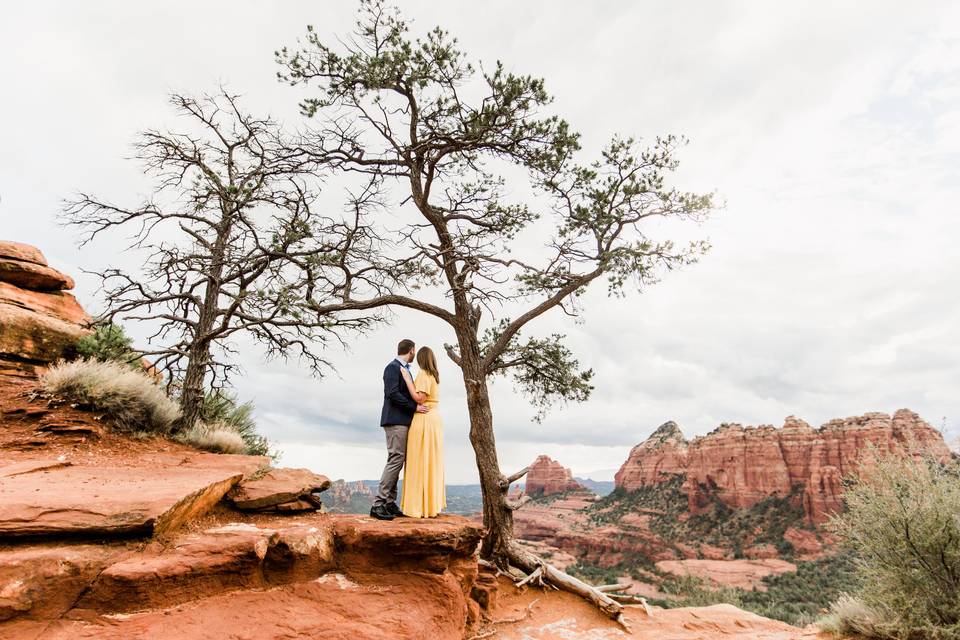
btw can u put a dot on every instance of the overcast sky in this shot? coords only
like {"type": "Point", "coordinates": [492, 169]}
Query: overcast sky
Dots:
{"type": "Point", "coordinates": [831, 130]}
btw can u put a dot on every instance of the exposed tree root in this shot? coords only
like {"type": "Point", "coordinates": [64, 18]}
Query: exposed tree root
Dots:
{"type": "Point", "coordinates": [541, 571]}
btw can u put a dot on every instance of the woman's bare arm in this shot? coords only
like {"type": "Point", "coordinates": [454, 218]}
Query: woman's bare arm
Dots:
{"type": "Point", "coordinates": [418, 396]}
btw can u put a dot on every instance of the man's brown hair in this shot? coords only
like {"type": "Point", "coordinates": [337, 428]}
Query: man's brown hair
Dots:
{"type": "Point", "coordinates": [405, 347]}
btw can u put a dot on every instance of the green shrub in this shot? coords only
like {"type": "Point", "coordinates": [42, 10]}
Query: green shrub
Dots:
{"type": "Point", "coordinates": [221, 408]}
{"type": "Point", "coordinates": [108, 343]}
{"type": "Point", "coordinates": [131, 400]}
{"type": "Point", "coordinates": [800, 597]}
{"type": "Point", "coordinates": [903, 521]}
{"type": "Point", "coordinates": [797, 598]}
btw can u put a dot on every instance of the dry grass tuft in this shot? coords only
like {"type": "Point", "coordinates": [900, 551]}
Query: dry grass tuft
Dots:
{"type": "Point", "coordinates": [131, 400]}
{"type": "Point", "coordinates": [218, 438]}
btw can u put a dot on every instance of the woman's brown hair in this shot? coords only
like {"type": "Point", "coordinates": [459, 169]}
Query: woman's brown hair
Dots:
{"type": "Point", "coordinates": [428, 362]}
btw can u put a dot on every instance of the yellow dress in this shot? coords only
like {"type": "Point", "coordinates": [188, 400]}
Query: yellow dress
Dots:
{"type": "Point", "coordinates": [424, 490]}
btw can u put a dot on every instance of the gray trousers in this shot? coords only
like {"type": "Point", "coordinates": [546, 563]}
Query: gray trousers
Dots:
{"type": "Point", "coordinates": [396, 454]}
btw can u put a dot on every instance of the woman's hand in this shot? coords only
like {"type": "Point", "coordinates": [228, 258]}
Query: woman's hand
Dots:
{"type": "Point", "coordinates": [418, 396]}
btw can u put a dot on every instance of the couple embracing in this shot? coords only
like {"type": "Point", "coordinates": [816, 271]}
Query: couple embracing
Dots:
{"type": "Point", "coordinates": [414, 431]}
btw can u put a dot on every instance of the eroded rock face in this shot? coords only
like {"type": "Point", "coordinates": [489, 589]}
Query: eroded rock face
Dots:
{"type": "Point", "coordinates": [73, 500]}
{"type": "Point", "coordinates": [39, 321]}
{"type": "Point", "coordinates": [743, 465]}
{"type": "Point", "coordinates": [547, 476]}
{"type": "Point", "coordinates": [316, 576]}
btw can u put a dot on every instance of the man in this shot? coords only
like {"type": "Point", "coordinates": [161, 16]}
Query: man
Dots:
{"type": "Point", "coordinates": [397, 414]}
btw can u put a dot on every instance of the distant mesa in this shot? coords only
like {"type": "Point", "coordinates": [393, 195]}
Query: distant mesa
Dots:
{"type": "Point", "coordinates": [743, 465]}
{"type": "Point", "coordinates": [39, 321]}
{"type": "Point", "coordinates": [547, 476]}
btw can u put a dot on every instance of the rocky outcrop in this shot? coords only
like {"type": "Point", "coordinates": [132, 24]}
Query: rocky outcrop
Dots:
{"type": "Point", "coordinates": [96, 501]}
{"type": "Point", "coordinates": [226, 558]}
{"type": "Point", "coordinates": [547, 476]}
{"type": "Point", "coordinates": [39, 321]}
{"type": "Point", "coordinates": [319, 576]}
{"type": "Point", "coordinates": [742, 465]}
{"type": "Point", "coordinates": [281, 490]}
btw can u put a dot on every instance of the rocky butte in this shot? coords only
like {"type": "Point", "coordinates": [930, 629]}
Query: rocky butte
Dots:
{"type": "Point", "coordinates": [547, 476]}
{"type": "Point", "coordinates": [741, 466]}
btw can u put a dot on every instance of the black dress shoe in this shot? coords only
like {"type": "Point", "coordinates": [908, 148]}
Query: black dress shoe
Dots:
{"type": "Point", "coordinates": [395, 511]}
{"type": "Point", "coordinates": [380, 512]}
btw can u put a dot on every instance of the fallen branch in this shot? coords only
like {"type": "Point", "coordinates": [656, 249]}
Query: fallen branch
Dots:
{"type": "Point", "coordinates": [515, 573]}
{"type": "Point", "coordinates": [607, 588]}
{"type": "Point", "coordinates": [489, 631]}
{"type": "Point", "coordinates": [531, 563]}
{"type": "Point", "coordinates": [536, 576]}
{"type": "Point", "coordinates": [635, 601]}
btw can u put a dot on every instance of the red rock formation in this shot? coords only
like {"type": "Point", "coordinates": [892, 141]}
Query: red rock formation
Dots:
{"type": "Point", "coordinates": [657, 458]}
{"type": "Point", "coordinates": [39, 322]}
{"type": "Point", "coordinates": [743, 465]}
{"type": "Point", "coordinates": [547, 476]}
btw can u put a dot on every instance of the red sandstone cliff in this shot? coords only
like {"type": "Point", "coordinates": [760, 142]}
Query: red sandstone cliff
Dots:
{"type": "Point", "coordinates": [39, 320]}
{"type": "Point", "coordinates": [547, 476]}
{"type": "Point", "coordinates": [742, 465]}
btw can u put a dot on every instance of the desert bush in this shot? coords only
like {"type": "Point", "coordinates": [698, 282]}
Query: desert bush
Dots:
{"type": "Point", "coordinates": [220, 407]}
{"type": "Point", "coordinates": [217, 437]}
{"type": "Point", "coordinates": [850, 617]}
{"type": "Point", "coordinates": [903, 522]}
{"type": "Point", "coordinates": [108, 343]}
{"type": "Point", "coordinates": [131, 400]}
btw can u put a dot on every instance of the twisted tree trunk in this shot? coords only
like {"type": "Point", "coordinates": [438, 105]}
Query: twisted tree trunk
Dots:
{"type": "Point", "coordinates": [193, 391]}
{"type": "Point", "coordinates": [498, 546]}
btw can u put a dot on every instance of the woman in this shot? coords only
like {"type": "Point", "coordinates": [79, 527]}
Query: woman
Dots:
{"type": "Point", "coordinates": [424, 491]}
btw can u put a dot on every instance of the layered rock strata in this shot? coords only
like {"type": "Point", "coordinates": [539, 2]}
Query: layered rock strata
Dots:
{"type": "Point", "coordinates": [743, 465]}
{"type": "Point", "coordinates": [39, 321]}
{"type": "Point", "coordinates": [280, 490]}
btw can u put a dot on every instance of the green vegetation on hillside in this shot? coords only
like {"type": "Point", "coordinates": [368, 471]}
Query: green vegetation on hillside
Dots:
{"type": "Point", "coordinates": [796, 598]}
{"type": "Point", "coordinates": [553, 497]}
{"type": "Point", "coordinates": [667, 498]}
{"type": "Point", "coordinates": [718, 525]}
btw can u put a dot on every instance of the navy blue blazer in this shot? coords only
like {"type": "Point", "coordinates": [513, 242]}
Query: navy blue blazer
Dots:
{"type": "Point", "coordinates": [398, 404]}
